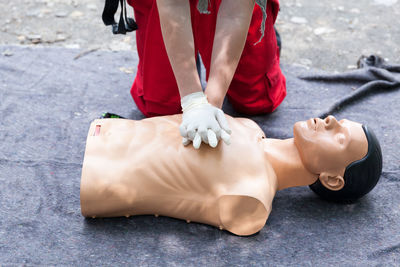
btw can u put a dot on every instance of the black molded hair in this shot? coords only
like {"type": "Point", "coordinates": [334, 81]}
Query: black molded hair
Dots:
{"type": "Point", "coordinates": [360, 176]}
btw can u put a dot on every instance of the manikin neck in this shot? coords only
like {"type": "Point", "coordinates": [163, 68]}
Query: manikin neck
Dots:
{"type": "Point", "coordinates": [286, 162]}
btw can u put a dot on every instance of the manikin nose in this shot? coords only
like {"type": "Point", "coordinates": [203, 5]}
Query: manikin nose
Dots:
{"type": "Point", "coordinates": [330, 122]}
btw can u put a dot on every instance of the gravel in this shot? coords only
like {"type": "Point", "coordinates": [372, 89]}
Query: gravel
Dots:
{"type": "Point", "coordinates": [328, 35]}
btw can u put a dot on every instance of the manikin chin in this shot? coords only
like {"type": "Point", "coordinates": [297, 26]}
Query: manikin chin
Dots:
{"type": "Point", "coordinates": [141, 167]}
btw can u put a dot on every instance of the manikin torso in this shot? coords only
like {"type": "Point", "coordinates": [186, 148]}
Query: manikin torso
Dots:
{"type": "Point", "coordinates": [141, 167]}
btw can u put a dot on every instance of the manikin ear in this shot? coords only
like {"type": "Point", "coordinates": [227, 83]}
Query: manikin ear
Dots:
{"type": "Point", "coordinates": [331, 181]}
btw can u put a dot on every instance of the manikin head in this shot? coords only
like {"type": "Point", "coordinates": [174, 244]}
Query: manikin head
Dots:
{"type": "Point", "coordinates": [346, 155]}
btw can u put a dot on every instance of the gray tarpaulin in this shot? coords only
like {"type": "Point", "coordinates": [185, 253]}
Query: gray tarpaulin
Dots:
{"type": "Point", "coordinates": [47, 101]}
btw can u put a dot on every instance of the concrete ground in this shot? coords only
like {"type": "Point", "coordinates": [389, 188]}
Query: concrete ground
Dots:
{"type": "Point", "coordinates": [329, 35]}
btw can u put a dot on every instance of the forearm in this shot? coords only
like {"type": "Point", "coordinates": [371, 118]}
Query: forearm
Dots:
{"type": "Point", "coordinates": [178, 39]}
{"type": "Point", "coordinates": [232, 26]}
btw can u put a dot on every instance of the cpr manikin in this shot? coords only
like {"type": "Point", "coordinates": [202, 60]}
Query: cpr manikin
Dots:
{"type": "Point", "coordinates": [141, 167]}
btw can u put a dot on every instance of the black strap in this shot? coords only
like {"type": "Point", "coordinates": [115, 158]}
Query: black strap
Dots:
{"type": "Point", "coordinates": [125, 24]}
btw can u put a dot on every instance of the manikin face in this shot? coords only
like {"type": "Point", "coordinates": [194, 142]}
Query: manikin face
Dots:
{"type": "Point", "coordinates": [329, 145]}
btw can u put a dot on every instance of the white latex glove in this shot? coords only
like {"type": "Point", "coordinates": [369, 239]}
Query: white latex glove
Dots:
{"type": "Point", "coordinates": [201, 121]}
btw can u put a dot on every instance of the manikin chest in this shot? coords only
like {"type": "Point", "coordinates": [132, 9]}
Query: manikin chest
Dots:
{"type": "Point", "coordinates": [141, 167]}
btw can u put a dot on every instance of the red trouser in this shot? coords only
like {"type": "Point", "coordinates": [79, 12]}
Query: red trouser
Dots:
{"type": "Point", "coordinates": [258, 85]}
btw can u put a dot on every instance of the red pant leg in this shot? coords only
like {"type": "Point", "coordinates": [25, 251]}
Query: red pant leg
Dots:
{"type": "Point", "coordinates": [258, 85]}
{"type": "Point", "coordinates": [154, 90]}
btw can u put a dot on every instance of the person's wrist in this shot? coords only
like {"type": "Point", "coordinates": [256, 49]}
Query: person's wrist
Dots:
{"type": "Point", "coordinates": [193, 100]}
{"type": "Point", "coordinates": [216, 103]}
{"type": "Point", "coordinates": [215, 100]}
{"type": "Point", "coordinates": [215, 97]}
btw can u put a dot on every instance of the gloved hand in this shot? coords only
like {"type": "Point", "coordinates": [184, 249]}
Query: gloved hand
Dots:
{"type": "Point", "coordinates": [201, 121]}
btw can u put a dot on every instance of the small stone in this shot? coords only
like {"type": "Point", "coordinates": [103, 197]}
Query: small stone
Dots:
{"type": "Point", "coordinates": [61, 14]}
{"type": "Point", "coordinates": [127, 39]}
{"type": "Point", "coordinates": [188, 221]}
{"type": "Point", "coordinates": [323, 30]}
{"type": "Point", "coordinates": [21, 38]}
{"type": "Point", "coordinates": [127, 215]}
{"type": "Point", "coordinates": [308, 39]}
{"type": "Point", "coordinates": [355, 11]}
{"type": "Point", "coordinates": [74, 3]}
{"type": "Point", "coordinates": [92, 7]}
{"type": "Point", "coordinates": [156, 215]}
{"type": "Point", "coordinates": [76, 14]}
{"type": "Point", "coordinates": [221, 228]}
{"type": "Point", "coordinates": [300, 65]}
{"type": "Point", "coordinates": [340, 8]}
{"type": "Point", "coordinates": [46, 11]}
{"type": "Point", "coordinates": [33, 13]}
{"type": "Point", "coordinates": [48, 37]}
{"type": "Point", "coordinates": [127, 70]}
{"type": "Point", "coordinates": [72, 46]}
{"type": "Point", "coordinates": [353, 23]}
{"type": "Point", "coordinates": [61, 37]}
{"type": "Point", "coordinates": [305, 62]}
{"type": "Point", "coordinates": [385, 2]}
{"type": "Point", "coordinates": [7, 53]}
{"type": "Point", "coordinates": [34, 38]}
{"type": "Point", "coordinates": [298, 20]}
{"type": "Point", "coordinates": [351, 67]}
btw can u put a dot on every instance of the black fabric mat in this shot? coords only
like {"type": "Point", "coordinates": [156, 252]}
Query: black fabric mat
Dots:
{"type": "Point", "coordinates": [47, 101]}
